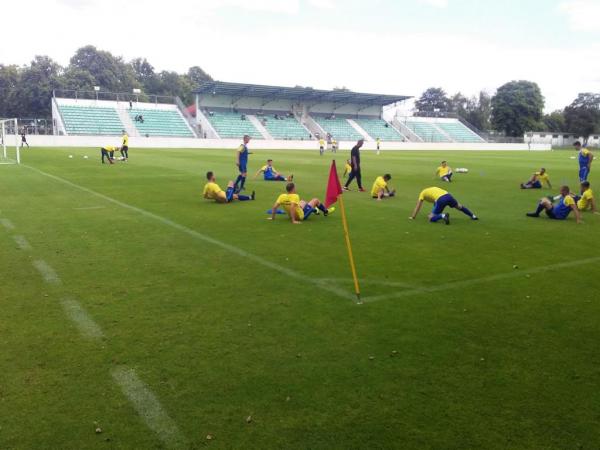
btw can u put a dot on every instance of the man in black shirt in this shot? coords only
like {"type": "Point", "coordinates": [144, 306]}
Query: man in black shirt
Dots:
{"type": "Point", "coordinates": [355, 163]}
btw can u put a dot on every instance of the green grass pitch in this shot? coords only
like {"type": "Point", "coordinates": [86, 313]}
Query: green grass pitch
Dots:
{"type": "Point", "coordinates": [224, 315]}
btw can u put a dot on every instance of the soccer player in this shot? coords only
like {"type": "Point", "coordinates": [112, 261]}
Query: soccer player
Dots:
{"type": "Point", "coordinates": [270, 174]}
{"type": "Point", "coordinates": [561, 210]}
{"type": "Point", "coordinates": [536, 180]}
{"type": "Point", "coordinates": [24, 139]}
{"type": "Point", "coordinates": [108, 152]}
{"type": "Point", "coordinates": [440, 199]}
{"type": "Point", "coordinates": [378, 142]}
{"type": "Point", "coordinates": [334, 146]}
{"type": "Point", "coordinates": [298, 210]}
{"type": "Point", "coordinates": [380, 188]}
{"type": "Point", "coordinates": [242, 163]}
{"type": "Point", "coordinates": [321, 146]}
{"type": "Point", "coordinates": [355, 163]}
{"type": "Point", "coordinates": [125, 147]}
{"type": "Point", "coordinates": [444, 172]}
{"type": "Point", "coordinates": [585, 161]}
{"type": "Point", "coordinates": [347, 168]}
{"type": "Point", "coordinates": [586, 201]}
{"type": "Point", "coordinates": [212, 191]}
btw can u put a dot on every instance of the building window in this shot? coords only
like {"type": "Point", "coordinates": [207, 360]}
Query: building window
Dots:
{"type": "Point", "coordinates": [555, 136]}
{"type": "Point", "coordinates": [542, 136]}
{"type": "Point", "coordinates": [566, 136]}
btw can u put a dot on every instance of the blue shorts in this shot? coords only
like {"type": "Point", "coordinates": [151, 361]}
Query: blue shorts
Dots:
{"type": "Point", "coordinates": [552, 214]}
{"type": "Point", "coordinates": [274, 178]}
{"type": "Point", "coordinates": [536, 184]}
{"type": "Point", "coordinates": [243, 168]}
{"type": "Point", "coordinates": [584, 172]}
{"type": "Point", "coordinates": [442, 202]}
{"type": "Point", "coordinates": [308, 210]}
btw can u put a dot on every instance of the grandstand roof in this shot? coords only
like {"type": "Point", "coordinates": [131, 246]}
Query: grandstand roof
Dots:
{"type": "Point", "coordinates": [298, 93]}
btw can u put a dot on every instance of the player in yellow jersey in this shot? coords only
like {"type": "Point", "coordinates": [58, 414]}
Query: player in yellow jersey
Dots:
{"type": "Point", "coordinates": [334, 145]}
{"type": "Point", "coordinates": [561, 210]}
{"type": "Point", "coordinates": [440, 199]}
{"type": "Point", "coordinates": [444, 172]}
{"type": "Point", "coordinates": [378, 142]}
{"type": "Point", "coordinates": [125, 146]}
{"type": "Point", "coordinates": [212, 191]}
{"type": "Point", "coordinates": [108, 152]}
{"type": "Point", "coordinates": [298, 210]}
{"type": "Point", "coordinates": [321, 146]}
{"type": "Point", "coordinates": [586, 201]}
{"type": "Point", "coordinates": [380, 188]}
{"type": "Point", "coordinates": [536, 180]}
{"type": "Point", "coordinates": [347, 168]}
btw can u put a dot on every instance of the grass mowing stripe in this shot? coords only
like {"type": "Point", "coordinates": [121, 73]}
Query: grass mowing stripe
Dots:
{"type": "Point", "coordinates": [231, 248]}
{"type": "Point", "coordinates": [7, 224]}
{"type": "Point", "coordinates": [497, 277]}
{"type": "Point", "coordinates": [148, 407]}
{"type": "Point", "coordinates": [21, 242]}
{"type": "Point", "coordinates": [84, 323]}
{"type": "Point", "coordinates": [47, 272]}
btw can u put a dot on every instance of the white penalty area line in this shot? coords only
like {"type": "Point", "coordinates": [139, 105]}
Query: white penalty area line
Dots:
{"type": "Point", "coordinates": [203, 237]}
{"type": "Point", "coordinates": [497, 277]}
{"type": "Point", "coordinates": [148, 407]}
{"type": "Point", "coordinates": [47, 272]}
{"type": "Point", "coordinates": [21, 242]}
{"type": "Point", "coordinates": [84, 323]}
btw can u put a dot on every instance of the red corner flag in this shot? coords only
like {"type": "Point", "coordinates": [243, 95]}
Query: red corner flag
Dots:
{"type": "Point", "coordinates": [334, 188]}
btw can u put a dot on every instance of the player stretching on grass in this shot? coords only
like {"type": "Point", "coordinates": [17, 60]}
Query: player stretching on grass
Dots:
{"type": "Point", "coordinates": [380, 188]}
{"type": "Point", "coordinates": [585, 161]}
{"type": "Point", "coordinates": [242, 163]}
{"type": "Point", "coordinates": [108, 152]}
{"type": "Point", "coordinates": [212, 191]}
{"type": "Point", "coordinates": [298, 210]}
{"type": "Point", "coordinates": [355, 163]}
{"type": "Point", "coordinates": [440, 199]}
{"type": "Point", "coordinates": [444, 172]}
{"type": "Point", "coordinates": [536, 180]}
{"type": "Point", "coordinates": [560, 211]}
{"type": "Point", "coordinates": [270, 174]}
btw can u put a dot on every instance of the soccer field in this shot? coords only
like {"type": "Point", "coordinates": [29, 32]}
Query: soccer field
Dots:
{"type": "Point", "coordinates": [133, 306]}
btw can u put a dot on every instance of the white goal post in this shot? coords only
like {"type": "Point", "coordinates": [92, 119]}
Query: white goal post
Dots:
{"type": "Point", "coordinates": [9, 127]}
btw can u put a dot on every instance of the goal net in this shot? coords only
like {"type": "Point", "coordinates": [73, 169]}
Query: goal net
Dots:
{"type": "Point", "coordinates": [9, 142]}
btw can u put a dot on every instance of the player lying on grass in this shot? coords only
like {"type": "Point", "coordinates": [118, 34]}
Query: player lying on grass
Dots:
{"type": "Point", "coordinates": [586, 201]}
{"type": "Point", "coordinates": [108, 152]}
{"type": "Point", "coordinates": [444, 172]}
{"type": "Point", "coordinates": [270, 174]}
{"type": "Point", "coordinates": [585, 158]}
{"type": "Point", "coordinates": [440, 199]}
{"type": "Point", "coordinates": [212, 191]}
{"type": "Point", "coordinates": [380, 188]}
{"type": "Point", "coordinates": [298, 210]}
{"type": "Point", "coordinates": [536, 180]}
{"type": "Point", "coordinates": [561, 210]}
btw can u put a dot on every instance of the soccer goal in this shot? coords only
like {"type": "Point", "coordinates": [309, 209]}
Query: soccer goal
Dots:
{"type": "Point", "coordinates": [9, 140]}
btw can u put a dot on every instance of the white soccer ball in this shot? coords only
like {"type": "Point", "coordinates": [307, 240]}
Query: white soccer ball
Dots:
{"type": "Point", "coordinates": [85, 157]}
{"type": "Point", "coordinates": [70, 156]}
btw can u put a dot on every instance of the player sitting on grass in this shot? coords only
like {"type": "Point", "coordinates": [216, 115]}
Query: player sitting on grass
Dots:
{"type": "Point", "coordinates": [560, 211]}
{"type": "Point", "coordinates": [212, 191]}
{"type": "Point", "coordinates": [586, 201]}
{"type": "Point", "coordinates": [298, 210]}
{"type": "Point", "coordinates": [440, 199]}
{"type": "Point", "coordinates": [380, 187]}
{"type": "Point", "coordinates": [108, 152]}
{"type": "Point", "coordinates": [536, 180]}
{"type": "Point", "coordinates": [270, 174]}
{"type": "Point", "coordinates": [444, 172]}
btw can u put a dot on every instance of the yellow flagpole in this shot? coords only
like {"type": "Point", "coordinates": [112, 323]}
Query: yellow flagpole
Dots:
{"type": "Point", "coordinates": [349, 246]}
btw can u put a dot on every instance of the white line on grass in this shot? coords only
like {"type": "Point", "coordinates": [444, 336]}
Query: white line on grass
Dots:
{"type": "Point", "coordinates": [7, 224]}
{"type": "Point", "coordinates": [85, 208]}
{"type": "Point", "coordinates": [497, 277]}
{"type": "Point", "coordinates": [203, 237]}
{"type": "Point", "coordinates": [148, 406]}
{"type": "Point", "coordinates": [21, 242]}
{"type": "Point", "coordinates": [369, 281]}
{"type": "Point", "coordinates": [84, 323]}
{"type": "Point", "coordinates": [47, 272]}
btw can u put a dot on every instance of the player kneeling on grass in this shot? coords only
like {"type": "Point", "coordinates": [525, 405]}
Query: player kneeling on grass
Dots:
{"type": "Point", "coordinates": [560, 211]}
{"type": "Point", "coordinates": [586, 201]}
{"type": "Point", "coordinates": [380, 187]}
{"type": "Point", "coordinates": [109, 153]}
{"type": "Point", "coordinates": [440, 199]}
{"type": "Point", "coordinates": [270, 174]}
{"type": "Point", "coordinates": [444, 172]}
{"type": "Point", "coordinates": [212, 191]}
{"type": "Point", "coordinates": [536, 180]}
{"type": "Point", "coordinates": [298, 210]}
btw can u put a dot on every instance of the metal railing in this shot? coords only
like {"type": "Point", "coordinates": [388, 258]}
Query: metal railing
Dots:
{"type": "Point", "coordinates": [126, 97]}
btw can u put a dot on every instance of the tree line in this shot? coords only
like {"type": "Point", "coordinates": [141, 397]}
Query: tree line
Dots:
{"type": "Point", "coordinates": [516, 108]}
{"type": "Point", "coordinates": [25, 91]}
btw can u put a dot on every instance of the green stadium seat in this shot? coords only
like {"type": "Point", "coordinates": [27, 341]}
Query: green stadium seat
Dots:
{"type": "Point", "coordinates": [425, 130]}
{"type": "Point", "coordinates": [339, 128]}
{"type": "Point", "coordinates": [160, 122]}
{"type": "Point", "coordinates": [376, 128]}
{"type": "Point", "coordinates": [90, 120]}
{"type": "Point", "coordinates": [285, 128]}
{"type": "Point", "coordinates": [459, 132]}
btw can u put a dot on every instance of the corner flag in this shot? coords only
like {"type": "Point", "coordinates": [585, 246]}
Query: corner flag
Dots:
{"type": "Point", "coordinates": [335, 193]}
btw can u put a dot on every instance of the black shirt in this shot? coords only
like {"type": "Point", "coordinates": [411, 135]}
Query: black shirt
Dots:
{"type": "Point", "coordinates": [355, 153]}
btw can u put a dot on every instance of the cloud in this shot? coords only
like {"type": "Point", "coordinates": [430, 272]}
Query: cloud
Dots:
{"type": "Point", "coordinates": [322, 4]}
{"type": "Point", "coordinates": [582, 15]}
{"type": "Point", "coordinates": [435, 3]}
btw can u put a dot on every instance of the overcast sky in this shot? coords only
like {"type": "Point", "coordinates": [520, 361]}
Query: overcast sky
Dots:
{"type": "Point", "coordinates": [382, 46]}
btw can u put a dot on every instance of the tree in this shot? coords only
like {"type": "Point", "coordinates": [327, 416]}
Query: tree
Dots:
{"type": "Point", "coordinates": [196, 75]}
{"type": "Point", "coordinates": [432, 102]}
{"type": "Point", "coordinates": [111, 73]}
{"type": "Point", "coordinates": [582, 117]}
{"type": "Point", "coordinates": [517, 107]}
{"type": "Point", "coordinates": [555, 121]}
{"type": "Point", "coordinates": [77, 79]}
{"type": "Point", "coordinates": [9, 83]}
{"type": "Point", "coordinates": [36, 84]}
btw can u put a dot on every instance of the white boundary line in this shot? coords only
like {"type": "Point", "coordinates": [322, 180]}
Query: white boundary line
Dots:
{"type": "Point", "coordinates": [85, 208]}
{"type": "Point", "coordinates": [47, 272]}
{"type": "Point", "coordinates": [84, 323]}
{"type": "Point", "coordinates": [203, 237]}
{"type": "Point", "coordinates": [21, 242]}
{"type": "Point", "coordinates": [370, 281]}
{"type": "Point", "coordinates": [148, 407]}
{"type": "Point", "coordinates": [7, 224]}
{"type": "Point", "coordinates": [500, 276]}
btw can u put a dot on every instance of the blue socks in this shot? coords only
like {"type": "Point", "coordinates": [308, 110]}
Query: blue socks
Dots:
{"type": "Point", "coordinates": [237, 182]}
{"type": "Point", "coordinates": [539, 209]}
{"type": "Point", "coordinates": [466, 211]}
{"type": "Point", "coordinates": [322, 208]}
{"type": "Point", "coordinates": [436, 218]}
{"type": "Point", "coordinates": [243, 182]}
{"type": "Point", "coordinates": [229, 194]}
{"type": "Point", "coordinates": [243, 198]}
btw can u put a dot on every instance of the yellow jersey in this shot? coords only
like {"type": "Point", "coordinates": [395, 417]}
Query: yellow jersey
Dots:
{"type": "Point", "coordinates": [110, 148]}
{"type": "Point", "coordinates": [442, 171]}
{"type": "Point", "coordinates": [378, 141]}
{"type": "Point", "coordinates": [431, 194]}
{"type": "Point", "coordinates": [212, 191]}
{"type": "Point", "coordinates": [287, 200]}
{"type": "Point", "coordinates": [543, 177]}
{"type": "Point", "coordinates": [348, 168]}
{"type": "Point", "coordinates": [125, 140]}
{"type": "Point", "coordinates": [379, 184]}
{"type": "Point", "coordinates": [585, 202]}
{"type": "Point", "coordinates": [322, 142]}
